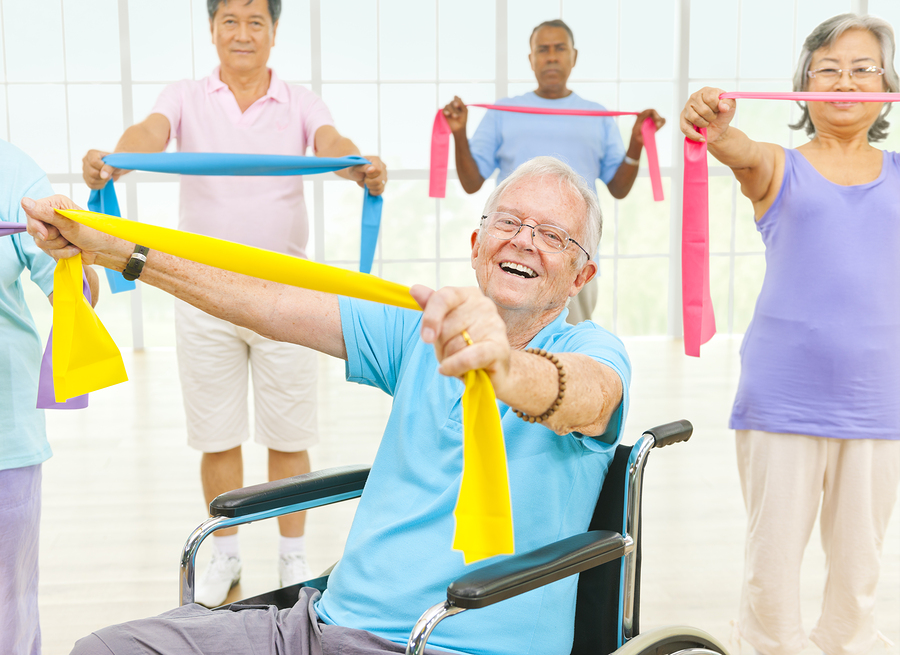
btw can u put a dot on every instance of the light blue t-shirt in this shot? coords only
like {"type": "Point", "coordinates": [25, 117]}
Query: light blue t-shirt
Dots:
{"type": "Point", "coordinates": [398, 559]}
{"type": "Point", "coordinates": [591, 145]}
{"type": "Point", "coordinates": [23, 438]}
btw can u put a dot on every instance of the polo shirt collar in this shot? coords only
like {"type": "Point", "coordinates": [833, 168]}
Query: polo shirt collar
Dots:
{"type": "Point", "coordinates": [278, 90]}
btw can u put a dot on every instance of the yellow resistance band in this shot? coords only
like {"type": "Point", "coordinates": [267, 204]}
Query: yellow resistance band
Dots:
{"type": "Point", "coordinates": [85, 358]}
{"type": "Point", "coordinates": [483, 512]}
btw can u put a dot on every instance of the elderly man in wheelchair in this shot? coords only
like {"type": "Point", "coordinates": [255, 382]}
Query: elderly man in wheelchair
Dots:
{"type": "Point", "coordinates": [562, 416]}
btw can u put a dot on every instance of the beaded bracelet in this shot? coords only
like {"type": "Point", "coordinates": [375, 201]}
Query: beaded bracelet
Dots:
{"type": "Point", "coordinates": [559, 396]}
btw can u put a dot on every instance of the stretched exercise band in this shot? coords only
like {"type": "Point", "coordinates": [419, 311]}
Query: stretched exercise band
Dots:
{"type": "Point", "coordinates": [696, 301]}
{"type": "Point", "coordinates": [104, 200]}
{"type": "Point", "coordinates": [7, 228]}
{"type": "Point", "coordinates": [484, 510]}
{"type": "Point", "coordinates": [440, 143]}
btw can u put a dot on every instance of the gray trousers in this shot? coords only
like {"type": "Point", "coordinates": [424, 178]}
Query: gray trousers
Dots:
{"type": "Point", "coordinates": [193, 629]}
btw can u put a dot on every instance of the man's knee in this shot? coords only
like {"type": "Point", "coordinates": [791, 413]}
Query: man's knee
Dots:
{"type": "Point", "coordinates": [90, 645]}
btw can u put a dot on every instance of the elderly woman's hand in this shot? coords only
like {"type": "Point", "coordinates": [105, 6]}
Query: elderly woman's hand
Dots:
{"type": "Point", "coordinates": [60, 237]}
{"type": "Point", "coordinates": [705, 109]}
{"type": "Point", "coordinates": [448, 312]}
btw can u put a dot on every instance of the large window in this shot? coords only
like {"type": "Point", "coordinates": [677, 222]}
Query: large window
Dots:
{"type": "Point", "coordinates": [75, 73]}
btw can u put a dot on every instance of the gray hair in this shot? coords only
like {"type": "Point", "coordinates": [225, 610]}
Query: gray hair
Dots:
{"type": "Point", "coordinates": [825, 35]}
{"type": "Point", "coordinates": [540, 167]}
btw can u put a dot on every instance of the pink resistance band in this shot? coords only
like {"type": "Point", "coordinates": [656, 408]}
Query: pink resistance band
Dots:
{"type": "Point", "coordinates": [696, 302]}
{"type": "Point", "coordinates": [440, 143]}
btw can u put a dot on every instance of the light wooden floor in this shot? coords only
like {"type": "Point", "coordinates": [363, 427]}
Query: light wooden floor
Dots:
{"type": "Point", "coordinates": [122, 493]}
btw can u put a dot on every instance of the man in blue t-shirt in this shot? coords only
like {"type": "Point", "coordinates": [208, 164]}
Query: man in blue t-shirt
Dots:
{"type": "Point", "coordinates": [589, 144]}
{"type": "Point", "coordinates": [561, 414]}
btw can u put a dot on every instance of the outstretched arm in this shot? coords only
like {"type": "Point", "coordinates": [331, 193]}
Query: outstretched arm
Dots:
{"type": "Point", "coordinates": [330, 143]}
{"type": "Point", "coordinates": [275, 311]}
{"type": "Point", "coordinates": [758, 166]}
{"type": "Point", "coordinates": [527, 382]}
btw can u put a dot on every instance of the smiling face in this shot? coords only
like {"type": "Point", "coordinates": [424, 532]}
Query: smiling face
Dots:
{"type": "Point", "coordinates": [243, 33]}
{"type": "Point", "coordinates": [552, 60]}
{"type": "Point", "coordinates": [853, 49]}
{"type": "Point", "coordinates": [515, 274]}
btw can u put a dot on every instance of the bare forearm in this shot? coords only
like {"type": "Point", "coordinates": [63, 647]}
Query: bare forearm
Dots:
{"type": "Point", "coordinates": [620, 185]}
{"type": "Point", "coordinates": [140, 138]}
{"type": "Point", "coordinates": [752, 162]}
{"type": "Point", "coordinates": [466, 168]}
{"type": "Point", "coordinates": [593, 391]}
{"type": "Point", "coordinates": [275, 311]}
{"type": "Point", "coordinates": [340, 147]}
{"type": "Point", "coordinates": [736, 150]}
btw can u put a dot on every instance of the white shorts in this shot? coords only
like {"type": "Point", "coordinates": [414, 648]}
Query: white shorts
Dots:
{"type": "Point", "coordinates": [212, 363]}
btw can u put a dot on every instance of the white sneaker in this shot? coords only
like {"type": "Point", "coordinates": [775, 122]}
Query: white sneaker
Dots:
{"type": "Point", "coordinates": [292, 568]}
{"type": "Point", "coordinates": [223, 573]}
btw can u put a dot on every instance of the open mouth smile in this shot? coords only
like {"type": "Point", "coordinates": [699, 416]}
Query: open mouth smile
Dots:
{"type": "Point", "coordinates": [518, 269]}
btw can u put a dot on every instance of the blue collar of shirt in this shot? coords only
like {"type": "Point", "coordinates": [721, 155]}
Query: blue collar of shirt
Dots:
{"type": "Point", "coordinates": [556, 326]}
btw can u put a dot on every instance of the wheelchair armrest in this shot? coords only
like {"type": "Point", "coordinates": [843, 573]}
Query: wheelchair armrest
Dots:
{"type": "Point", "coordinates": [290, 491]}
{"type": "Point", "coordinates": [527, 571]}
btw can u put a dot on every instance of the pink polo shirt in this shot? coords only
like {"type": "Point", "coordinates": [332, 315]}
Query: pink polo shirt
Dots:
{"type": "Point", "coordinates": [267, 212]}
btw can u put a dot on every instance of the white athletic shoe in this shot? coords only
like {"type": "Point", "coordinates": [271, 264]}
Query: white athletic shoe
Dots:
{"type": "Point", "coordinates": [292, 568]}
{"type": "Point", "coordinates": [223, 573]}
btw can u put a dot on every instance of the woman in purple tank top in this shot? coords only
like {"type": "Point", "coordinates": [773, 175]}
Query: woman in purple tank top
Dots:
{"type": "Point", "coordinates": [817, 412]}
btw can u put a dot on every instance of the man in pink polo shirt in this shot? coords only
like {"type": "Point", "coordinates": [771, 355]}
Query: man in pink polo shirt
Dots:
{"type": "Point", "coordinates": [243, 107]}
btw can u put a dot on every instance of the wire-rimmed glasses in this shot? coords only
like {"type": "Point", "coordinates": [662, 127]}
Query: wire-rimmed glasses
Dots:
{"type": "Point", "coordinates": [861, 74]}
{"type": "Point", "coordinates": [545, 237]}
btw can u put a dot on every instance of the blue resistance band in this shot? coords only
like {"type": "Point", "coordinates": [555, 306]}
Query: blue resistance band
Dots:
{"type": "Point", "coordinates": [208, 163]}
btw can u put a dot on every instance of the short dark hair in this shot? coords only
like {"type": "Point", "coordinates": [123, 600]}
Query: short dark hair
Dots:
{"type": "Point", "coordinates": [549, 23]}
{"type": "Point", "coordinates": [212, 6]}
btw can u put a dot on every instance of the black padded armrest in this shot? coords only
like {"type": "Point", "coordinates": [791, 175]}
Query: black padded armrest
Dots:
{"type": "Point", "coordinates": [304, 488]}
{"type": "Point", "coordinates": [521, 573]}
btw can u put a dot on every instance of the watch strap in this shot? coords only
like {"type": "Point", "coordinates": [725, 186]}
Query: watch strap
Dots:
{"type": "Point", "coordinates": [136, 263]}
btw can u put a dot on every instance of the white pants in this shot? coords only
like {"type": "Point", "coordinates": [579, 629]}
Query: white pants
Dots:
{"type": "Point", "coordinates": [783, 478]}
{"type": "Point", "coordinates": [213, 356]}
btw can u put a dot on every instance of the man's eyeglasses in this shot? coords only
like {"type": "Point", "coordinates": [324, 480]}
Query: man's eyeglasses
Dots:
{"type": "Point", "coordinates": [545, 237]}
{"type": "Point", "coordinates": [862, 74]}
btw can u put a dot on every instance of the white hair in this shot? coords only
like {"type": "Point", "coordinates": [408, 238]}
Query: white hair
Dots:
{"type": "Point", "coordinates": [541, 167]}
{"type": "Point", "coordinates": [825, 35]}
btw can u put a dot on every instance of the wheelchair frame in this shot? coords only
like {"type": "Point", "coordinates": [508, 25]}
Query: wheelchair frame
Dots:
{"type": "Point", "coordinates": [492, 583]}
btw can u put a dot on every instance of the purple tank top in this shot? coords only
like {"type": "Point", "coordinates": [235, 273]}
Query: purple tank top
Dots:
{"type": "Point", "coordinates": [822, 353]}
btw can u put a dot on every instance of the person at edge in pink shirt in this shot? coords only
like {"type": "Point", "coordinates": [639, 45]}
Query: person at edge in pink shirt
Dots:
{"type": "Point", "coordinates": [243, 107]}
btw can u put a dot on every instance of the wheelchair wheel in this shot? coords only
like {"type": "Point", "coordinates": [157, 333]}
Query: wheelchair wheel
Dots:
{"type": "Point", "coordinates": [674, 640]}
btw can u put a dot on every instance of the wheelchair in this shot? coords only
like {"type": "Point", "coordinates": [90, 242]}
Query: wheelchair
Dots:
{"type": "Point", "coordinates": [607, 557]}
